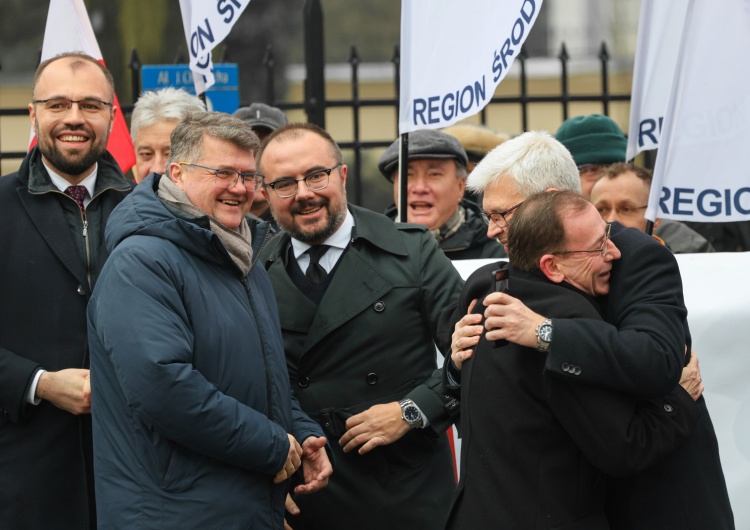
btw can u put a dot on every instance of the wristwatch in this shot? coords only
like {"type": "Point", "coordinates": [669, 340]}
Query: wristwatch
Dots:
{"type": "Point", "coordinates": [543, 335]}
{"type": "Point", "coordinates": [410, 413]}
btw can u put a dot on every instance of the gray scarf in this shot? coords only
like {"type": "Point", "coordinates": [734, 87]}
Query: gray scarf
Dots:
{"type": "Point", "coordinates": [451, 226]}
{"type": "Point", "coordinates": [237, 242]}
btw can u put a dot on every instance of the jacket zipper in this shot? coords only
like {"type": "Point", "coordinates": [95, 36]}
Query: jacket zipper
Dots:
{"type": "Point", "coordinates": [269, 394]}
{"type": "Point", "coordinates": [246, 285]}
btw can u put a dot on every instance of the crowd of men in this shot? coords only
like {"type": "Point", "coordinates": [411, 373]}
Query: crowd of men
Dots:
{"type": "Point", "coordinates": [228, 343]}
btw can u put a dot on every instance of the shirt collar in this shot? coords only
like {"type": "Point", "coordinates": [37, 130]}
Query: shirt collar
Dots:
{"type": "Point", "coordinates": [339, 239]}
{"type": "Point", "coordinates": [60, 183]}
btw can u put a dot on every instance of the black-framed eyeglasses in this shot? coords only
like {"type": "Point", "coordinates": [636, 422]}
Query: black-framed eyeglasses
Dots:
{"type": "Point", "coordinates": [623, 211]}
{"type": "Point", "coordinates": [500, 218]}
{"type": "Point", "coordinates": [602, 250]}
{"type": "Point", "coordinates": [89, 107]}
{"type": "Point", "coordinates": [286, 187]}
{"type": "Point", "coordinates": [226, 178]}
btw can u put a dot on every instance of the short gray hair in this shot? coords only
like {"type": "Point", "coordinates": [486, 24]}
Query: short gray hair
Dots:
{"type": "Point", "coordinates": [535, 160]}
{"type": "Point", "coordinates": [162, 105]}
{"type": "Point", "coordinates": [187, 138]}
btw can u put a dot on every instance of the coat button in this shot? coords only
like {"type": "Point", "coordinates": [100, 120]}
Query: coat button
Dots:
{"type": "Point", "coordinates": [303, 382]}
{"type": "Point", "coordinates": [372, 378]}
{"type": "Point", "coordinates": [379, 306]}
{"type": "Point", "coordinates": [577, 370]}
{"type": "Point", "coordinates": [668, 408]}
{"type": "Point", "coordinates": [81, 291]}
{"type": "Point", "coordinates": [565, 367]}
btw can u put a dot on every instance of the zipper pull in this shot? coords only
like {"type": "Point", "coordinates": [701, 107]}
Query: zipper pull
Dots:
{"type": "Point", "coordinates": [85, 228]}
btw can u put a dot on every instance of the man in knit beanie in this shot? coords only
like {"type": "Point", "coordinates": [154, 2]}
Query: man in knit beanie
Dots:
{"type": "Point", "coordinates": [595, 141]}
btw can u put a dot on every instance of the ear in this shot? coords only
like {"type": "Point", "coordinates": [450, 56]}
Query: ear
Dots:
{"type": "Point", "coordinates": [112, 118]}
{"type": "Point", "coordinates": [176, 173]}
{"type": "Point", "coordinates": [343, 170]}
{"type": "Point", "coordinates": [550, 267]}
{"type": "Point", "coordinates": [461, 188]}
{"type": "Point", "coordinates": [657, 223]}
{"type": "Point", "coordinates": [263, 191]}
{"type": "Point", "coordinates": [32, 116]}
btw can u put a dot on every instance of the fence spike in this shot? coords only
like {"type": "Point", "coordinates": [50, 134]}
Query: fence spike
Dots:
{"type": "Point", "coordinates": [135, 60]}
{"type": "Point", "coordinates": [179, 58]}
{"type": "Point", "coordinates": [603, 52]}
{"type": "Point", "coordinates": [563, 55]}
{"type": "Point", "coordinates": [353, 56]}
{"type": "Point", "coordinates": [268, 59]}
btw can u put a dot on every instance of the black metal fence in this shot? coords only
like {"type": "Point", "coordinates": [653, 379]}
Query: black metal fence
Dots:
{"type": "Point", "coordinates": [315, 103]}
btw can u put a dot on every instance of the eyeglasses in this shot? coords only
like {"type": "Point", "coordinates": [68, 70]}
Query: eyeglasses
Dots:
{"type": "Point", "coordinates": [602, 250]}
{"type": "Point", "coordinates": [226, 178]}
{"type": "Point", "coordinates": [89, 107]}
{"type": "Point", "coordinates": [286, 187]}
{"type": "Point", "coordinates": [499, 218]}
{"type": "Point", "coordinates": [624, 211]}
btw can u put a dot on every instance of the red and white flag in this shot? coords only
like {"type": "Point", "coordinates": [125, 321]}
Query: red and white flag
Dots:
{"type": "Point", "coordinates": [69, 30]}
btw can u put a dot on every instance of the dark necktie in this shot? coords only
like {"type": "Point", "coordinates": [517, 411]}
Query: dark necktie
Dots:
{"type": "Point", "coordinates": [78, 193]}
{"type": "Point", "coordinates": [315, 271]}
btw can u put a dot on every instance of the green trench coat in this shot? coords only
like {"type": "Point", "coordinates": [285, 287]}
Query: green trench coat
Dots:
{"type": "Point", "coordinates": [370, 341]}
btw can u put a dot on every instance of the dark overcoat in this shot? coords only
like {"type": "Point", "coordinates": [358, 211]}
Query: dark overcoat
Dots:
{"type": "Point", "coordinates": [371, 341]}
{"type": "Point", "coordinates": [45, 453]}
{"type": "Point", "coordinates": [640, 349]}
{"type": "Point", "coordinates": [534, 446]}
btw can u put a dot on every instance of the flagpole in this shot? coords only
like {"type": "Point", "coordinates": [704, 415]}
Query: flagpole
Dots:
{"type": "Point", "coordinates": [403, 176]}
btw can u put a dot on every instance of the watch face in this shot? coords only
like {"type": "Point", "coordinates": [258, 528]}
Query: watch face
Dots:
{"type": "Point", "coordinates": [411, 414]}
{"type": "Point", "coordinates": [545, 332]}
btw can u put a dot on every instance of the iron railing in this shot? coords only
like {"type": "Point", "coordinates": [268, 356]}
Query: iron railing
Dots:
{"type": "Point", "coordinates": [315, 103]}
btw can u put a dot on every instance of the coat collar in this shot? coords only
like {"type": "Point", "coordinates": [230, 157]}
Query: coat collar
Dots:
{"type": "Point", "coordinates": [380, 231]}
{"type": "Point", "coordinates": [372, 227]}
{"type": "Point", "coordinates": [39, 181]}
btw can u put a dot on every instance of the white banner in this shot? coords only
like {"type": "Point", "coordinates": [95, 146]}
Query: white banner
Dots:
{"type": "Point", "coordinates": [659, 35]}
{"type": "Point", "coordinates": [454, 53]}
{"type": "Point", "coordinates": [717, 295]}
{"type": "Point", "coordinates": [206, 25]}
{"type": "Point", "coordinates": [701, 172]}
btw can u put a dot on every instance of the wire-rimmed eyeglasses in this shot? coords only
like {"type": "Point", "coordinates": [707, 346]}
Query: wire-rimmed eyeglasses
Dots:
{"type": "Point", "coordinates": [499, 218]}
{"type": "Point", "coordinates": [89, 107]}
{"type": "Point", "coordinates": [226, 178]}
{"type": "Point", "coordinates": [602, 250]}
{"type": "Point", "coordinates": [286, 187]}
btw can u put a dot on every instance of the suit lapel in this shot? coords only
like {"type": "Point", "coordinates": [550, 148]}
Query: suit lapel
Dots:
{"type": "Point", "coordinates": [356, 285]}
{"type": "Point", "coordinates": [47, 217]}
{"type": "Point", "coordinates": [296, 310]}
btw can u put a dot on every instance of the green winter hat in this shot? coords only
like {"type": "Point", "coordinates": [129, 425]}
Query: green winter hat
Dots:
{"type": "Point", "coordinates": [594, 139]}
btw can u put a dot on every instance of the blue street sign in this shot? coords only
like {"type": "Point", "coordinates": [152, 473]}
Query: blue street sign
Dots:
{"type": "Point", "coordinates": [224, 96]}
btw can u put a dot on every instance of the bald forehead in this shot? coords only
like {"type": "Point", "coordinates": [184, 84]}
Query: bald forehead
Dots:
{"type": "Point", "coordinates": [74, 66]}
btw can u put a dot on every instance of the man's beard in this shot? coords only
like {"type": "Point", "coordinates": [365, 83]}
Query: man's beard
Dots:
{"type": "Point", "coordinates": [333, 221]}
{"type": "Point", "coordinates": [69, 165]}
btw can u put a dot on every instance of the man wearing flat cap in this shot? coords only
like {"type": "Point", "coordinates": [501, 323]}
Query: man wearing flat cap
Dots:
{"type": "Point", "coordinates": [436, 184]}
{"type": "Point", "coordinates": [263, 120]}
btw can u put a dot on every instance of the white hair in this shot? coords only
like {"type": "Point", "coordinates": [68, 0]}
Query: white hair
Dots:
{"type": "Point", "coordinates": [535, 160]}
{"type": "Point", "coordinates": [163, 105]}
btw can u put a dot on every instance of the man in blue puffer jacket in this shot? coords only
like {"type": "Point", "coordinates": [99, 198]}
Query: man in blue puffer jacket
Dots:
{"type": "Point", "coordinates": [194, 421]}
